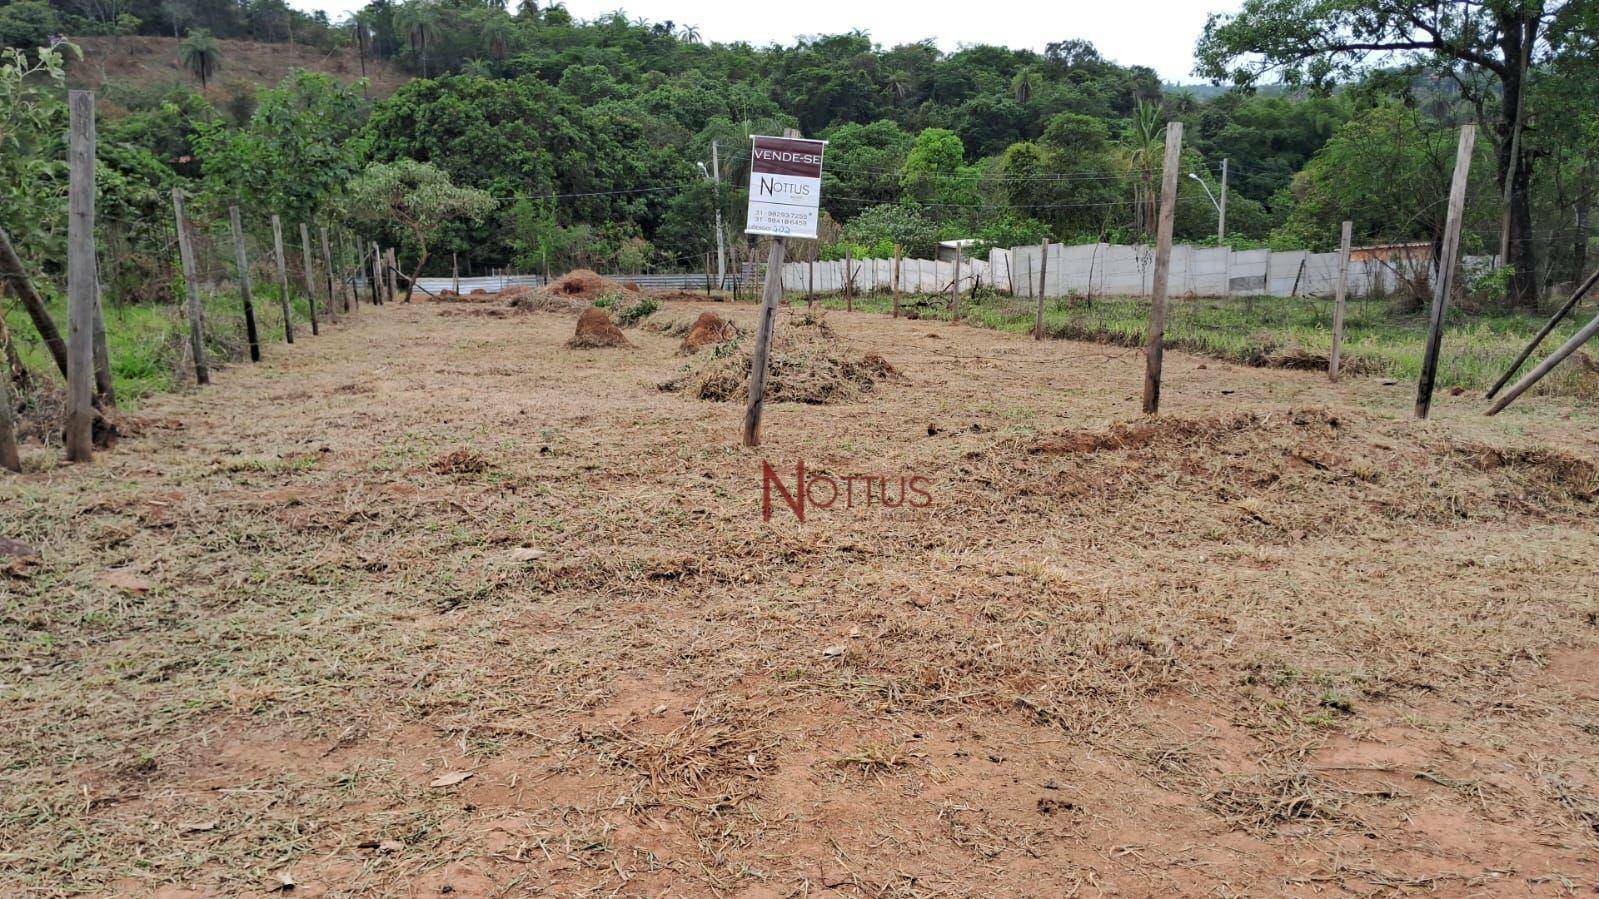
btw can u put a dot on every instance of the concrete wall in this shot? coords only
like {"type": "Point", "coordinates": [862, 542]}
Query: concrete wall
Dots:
{"type": "Point", "coordinates": [1124, 270]}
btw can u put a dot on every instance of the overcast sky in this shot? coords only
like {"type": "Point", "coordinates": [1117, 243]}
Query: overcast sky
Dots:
{"type": "Point", "coordinates": [1155, 33]}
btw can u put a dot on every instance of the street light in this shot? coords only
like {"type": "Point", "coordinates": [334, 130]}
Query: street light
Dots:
{"type": "Point", "coordinates": [1193, 175]}
{"type": "Point", "coordinates": [1220, 214]}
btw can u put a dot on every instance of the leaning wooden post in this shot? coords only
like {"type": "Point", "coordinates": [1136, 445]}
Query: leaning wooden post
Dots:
{"type": "Point", "coordinates": [10, 459]}
{"type": "Point", "coordinates": [1043, 267]}
{"type": "Point", "coordinates": [241, 263]}
{"type": "Point", "coordinates": [327, 269]}
{"type": "Point", "coordinates": [1446, 270]}
{"type": "Point", "coordinates": [770, 297]}
{"type": "Point", "coordinates": [894, 280]}
{"type": "Point", "coordinates": [394, 286]}
{"type": "Point", "coordinates": [202, 374]}
{"type": "Point", "coordinates": [1545, 331]}
{"type": "Point", "coordinates": [79, 437]}
{"type": "Point", "coordinates": [283, 279]}
{"type": "Point", "coordinates": [306, 264]}
{"type": "Point", "coordinates": [11, 269]}
{"type": "Point", "coordinates": [1548, 365]}
{"type": "Point", "coordinates": [455, 273]}
{"type": "Point", "coordinates": [1340, 293]}
{"type": "Point", "coordinates": [1156, 352]}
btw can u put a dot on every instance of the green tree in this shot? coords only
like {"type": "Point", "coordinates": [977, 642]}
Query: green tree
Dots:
{"type": "Point", "coordinates": [1382, 170]}
{"type": "Point", "coordinates": [416, 199]}
{"type": "Point", "coordinates": [1485, 49]}
{"type": "Point", "coordinates": [294, 154]}
{"type": "Point", "coordinates": [28, 23]}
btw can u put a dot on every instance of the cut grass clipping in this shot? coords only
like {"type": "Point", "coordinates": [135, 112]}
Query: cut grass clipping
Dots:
{"type": "Point", "coordinates": [809, 363]}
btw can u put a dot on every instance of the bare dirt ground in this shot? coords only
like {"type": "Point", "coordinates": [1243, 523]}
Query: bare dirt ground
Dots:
{"type": "Point", "coordinates": [434, 605]}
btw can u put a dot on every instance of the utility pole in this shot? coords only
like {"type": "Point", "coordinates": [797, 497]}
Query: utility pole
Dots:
{"type": "Point", "coordinates": [1221, 213]}
{"type": "Point", "coordinates": [721, 253]}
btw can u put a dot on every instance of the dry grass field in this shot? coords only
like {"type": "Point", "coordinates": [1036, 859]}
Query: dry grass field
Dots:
{"type": "Point", "coordinates": [434, 605]}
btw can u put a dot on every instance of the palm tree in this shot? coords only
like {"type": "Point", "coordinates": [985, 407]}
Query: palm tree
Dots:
{"type": "Point", "coordinates": [497, 33]}
{"type": "Point", "coordinates": [691, 33]}
{"type": "Point", "coordinates": [1022, 85]}
{"type": "Point", "coordinates": [201, 55]}
{"type": "Point", "coordinates": [899, 84]}
{"type": "Point", "coordinates": [1142, 146]}
{"type": "Point", "coordinates": [419, 19]}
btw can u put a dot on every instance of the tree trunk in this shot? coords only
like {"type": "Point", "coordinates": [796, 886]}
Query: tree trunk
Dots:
{"type": "Point", "coordinates": [410, 283]}
{"type": "Point", "coordinates": [1517, 168]}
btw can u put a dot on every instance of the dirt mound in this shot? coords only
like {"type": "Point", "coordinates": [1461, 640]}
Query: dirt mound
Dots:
{"type": "Point", "coordinates": [584, 284]}
{"type": "Point", "coordinates": [596, 330]}
{"type": "Point", "coordinates": [709, 329]}
{"type": "Point", "coordinates": [808, 363]}
{"type": "Point", "coordinates": [1281, 476]}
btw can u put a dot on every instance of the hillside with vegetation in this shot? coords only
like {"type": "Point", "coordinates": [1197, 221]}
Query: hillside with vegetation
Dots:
{"type": "Point", "coordinates": [132, 70]}
{"type": "Point", "coordinates": [593, 137]}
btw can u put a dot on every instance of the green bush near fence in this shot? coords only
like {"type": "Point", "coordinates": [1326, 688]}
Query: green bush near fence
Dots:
{"type": "Point", "coordinates": [149, 346]}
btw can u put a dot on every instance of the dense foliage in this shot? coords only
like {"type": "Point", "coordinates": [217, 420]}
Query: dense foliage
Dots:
{"type": "Point", "coordinates": [595, 139]}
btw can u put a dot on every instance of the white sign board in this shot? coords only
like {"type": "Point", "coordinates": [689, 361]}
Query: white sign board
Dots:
{"type": "Point", "coordinates": [785, 186]}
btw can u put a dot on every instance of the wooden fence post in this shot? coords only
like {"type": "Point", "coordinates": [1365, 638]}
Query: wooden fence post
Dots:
{"type": "Point", "coordinates": [1340, 295]}
{"type": "Point", "coordinates": [283, 279]}
{"type": "Point", "coordinates": [849, 281]}
{"type": "Point", "coordinates": [202, 375]}
{"type": "Point", "coordinates": [1157, 310]}
{"type": "Point", "coordinates": [455, 273]}
{"type": "Point", "coordinates": [104, 386]}
{"type": "Point", "coordinates": [955, 285]}
{"type": "Point", "coordinates": [1043, 268]}
{"type": "Point", "coordinates": [377, 275]}
{"type": "Point", "coordinates": [353, 299]}
{"type": "Point", "coordinates": [305, 272]}
{"type": "Point", "coordinates": [1446, 270]}
{"type": "Point", "coordinates": [327, 268]}
{"type": "Point", "coordinates": [894, 280]}
{"type": "Point", "coordinates": [241, 263]}
{"type": "Point", "coordinates": [393, 268]}
{"type": "Point", "coordinates": [79, 437]}
{"type": "Point", "coordinates": [10, 459]}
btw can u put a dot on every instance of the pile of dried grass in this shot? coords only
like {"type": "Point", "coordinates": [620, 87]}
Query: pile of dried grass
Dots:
{"type": "Point", "coordinates": [572, 292]}
{"type": "Point", "coordinates": [808, 363]}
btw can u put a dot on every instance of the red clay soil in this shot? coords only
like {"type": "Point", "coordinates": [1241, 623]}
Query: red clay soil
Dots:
{"type": "Point", "coordinates": [595, 330]}
{"type": "Point", "coordinates": [709, 329]}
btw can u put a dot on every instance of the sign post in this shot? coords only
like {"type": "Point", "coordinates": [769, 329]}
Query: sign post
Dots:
{"type": "Point", "coordinates": [785, 201]}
